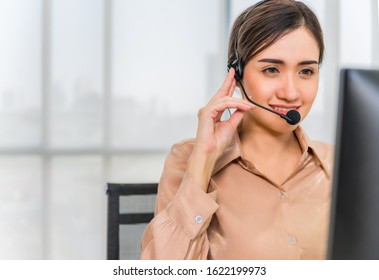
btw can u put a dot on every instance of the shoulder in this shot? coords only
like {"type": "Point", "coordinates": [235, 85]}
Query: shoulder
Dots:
{"type": "Point", "coordinates": [180, 153]}
{"type": "Point", "coordinates": [325, 150]}
{"type": "Point", "coordinates": [183, 148]}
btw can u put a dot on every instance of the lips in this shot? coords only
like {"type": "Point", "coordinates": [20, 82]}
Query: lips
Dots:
{"type": "Point", "coordinates": [283, 109]}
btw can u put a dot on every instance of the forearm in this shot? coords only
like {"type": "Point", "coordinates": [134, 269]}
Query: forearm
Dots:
{"type": "Point", "coordinates": [180, 230]}
{"type": "Point", "coordinates": [200, 168]}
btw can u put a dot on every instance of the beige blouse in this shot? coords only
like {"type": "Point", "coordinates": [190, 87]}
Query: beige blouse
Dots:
{"type": "Point", "coordinates": [244, 215]}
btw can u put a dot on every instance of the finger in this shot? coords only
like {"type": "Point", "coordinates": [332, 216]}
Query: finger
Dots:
{"type": "Point", "coordinates": [236, 118]}
{"type": "Point", "coordinates": [230, 100]}
{"type": "Point", "coordinates": [218, 108]}
{"type": "Point", "coordinates": [228, 82]}
{"type": "Point", "coordinates": [232, 88]}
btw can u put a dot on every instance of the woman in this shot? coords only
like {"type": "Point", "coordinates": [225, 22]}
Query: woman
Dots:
{"type": "Point", "coordinates": [253, 186]}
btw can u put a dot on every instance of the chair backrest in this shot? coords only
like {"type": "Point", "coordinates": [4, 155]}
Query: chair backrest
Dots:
{"type": "Point", "coordinates": [115, 216]}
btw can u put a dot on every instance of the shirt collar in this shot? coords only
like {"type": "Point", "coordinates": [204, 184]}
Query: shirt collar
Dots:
{"type": "Point", "coordinates": [234, 151]}
{"type": "Point", "coordinates": [308, 145]}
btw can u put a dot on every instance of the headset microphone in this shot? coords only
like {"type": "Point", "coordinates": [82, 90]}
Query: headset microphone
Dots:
{"type": "Point", "coordinates": [292, 117]}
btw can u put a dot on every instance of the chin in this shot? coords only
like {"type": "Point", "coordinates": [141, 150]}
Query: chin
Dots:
{"type": "Point", "coordinates": [276, 124]}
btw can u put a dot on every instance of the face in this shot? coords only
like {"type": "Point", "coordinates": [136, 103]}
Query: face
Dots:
{"type": "Point", "coordinates": [283, 77]}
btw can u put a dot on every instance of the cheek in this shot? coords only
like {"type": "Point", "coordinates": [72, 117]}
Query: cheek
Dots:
{"type": "Point", "coordinates": [309, 93]}
{"type": "Point", "coordinates": [260, 89]}
{"type": "Point", "coordinates": [308, 97]}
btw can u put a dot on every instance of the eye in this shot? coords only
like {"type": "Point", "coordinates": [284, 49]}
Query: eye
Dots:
{"type": "Point", "coordinates": [306, 72]}
{"type": "Point", "coordinates": [271, 70]}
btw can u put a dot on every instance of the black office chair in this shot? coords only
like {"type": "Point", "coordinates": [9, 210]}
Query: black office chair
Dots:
{"type": "Point", "coordinates": [117, 217]}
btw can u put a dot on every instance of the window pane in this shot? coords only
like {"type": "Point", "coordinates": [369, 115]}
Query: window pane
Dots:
{"type": "Point", "coordinates": [137, 168]}
{"type": "Point", "coordinates": [20, 207]}
{"type": "Point", "coordinates": [77, 208]}
{"type": "Point", "coordinates": [76, 78]}
{"type": "Point", "coordinates": [20, 73]}
{"type": "Point", "coordinates": [165, 66]}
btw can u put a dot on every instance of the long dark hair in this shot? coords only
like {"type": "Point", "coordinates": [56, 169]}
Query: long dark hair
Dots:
{"type": "Point", "coordinates": [262, 24]}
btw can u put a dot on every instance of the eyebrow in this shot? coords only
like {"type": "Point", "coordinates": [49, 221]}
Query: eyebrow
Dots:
{"type": "Point", "coordinates": [278, 61]}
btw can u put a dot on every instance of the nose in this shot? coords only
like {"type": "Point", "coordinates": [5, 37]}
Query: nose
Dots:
{"type": "Point", "coordinates": [288, 89]}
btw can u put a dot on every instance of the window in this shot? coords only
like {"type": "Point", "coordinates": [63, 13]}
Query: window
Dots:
{"type": "Point", "coordinates": [93, 91]}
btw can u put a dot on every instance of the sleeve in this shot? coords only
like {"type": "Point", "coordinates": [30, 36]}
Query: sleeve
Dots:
{"type": "Point", "coordinates": [182, 215]}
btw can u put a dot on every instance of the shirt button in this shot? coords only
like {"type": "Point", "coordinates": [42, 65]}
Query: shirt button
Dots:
{"type": "Point", "coordinates": [292, 240]}
{"type": "Point", "coordinates": [283, 195]}
{"type": "Point", "coordinates": [198, 219]}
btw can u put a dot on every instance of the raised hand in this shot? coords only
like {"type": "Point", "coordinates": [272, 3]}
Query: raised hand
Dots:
{"type": "Point", "coordinates": [214, 135]}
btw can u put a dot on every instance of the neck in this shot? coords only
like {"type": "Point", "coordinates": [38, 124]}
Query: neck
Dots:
{"type": "Point", "coordinates": [257, 140]}
{"type": "Point", "coordinates": [275, 154]}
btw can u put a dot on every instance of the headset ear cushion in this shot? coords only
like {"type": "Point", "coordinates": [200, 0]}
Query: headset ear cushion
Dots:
{"type": "Point", "coordinates": [238, 68]}
{"type": "Point", "coordinates": [239, 71]}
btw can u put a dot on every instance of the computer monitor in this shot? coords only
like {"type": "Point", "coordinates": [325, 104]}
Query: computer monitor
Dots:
{"type": "Point", "coordinates": [354, 228]}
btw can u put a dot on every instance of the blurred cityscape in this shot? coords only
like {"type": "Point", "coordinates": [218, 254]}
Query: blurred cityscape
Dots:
{"type": "Point", "coordinates": [77, 121]}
